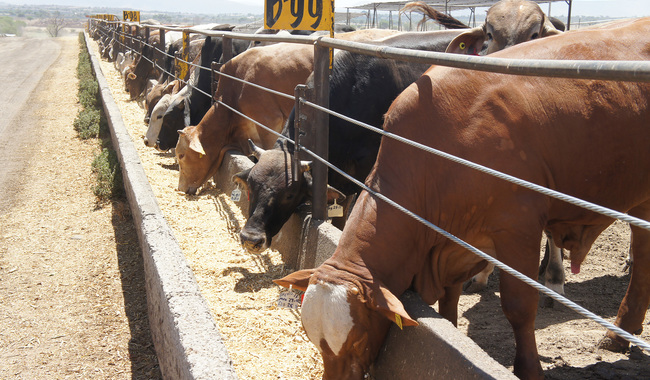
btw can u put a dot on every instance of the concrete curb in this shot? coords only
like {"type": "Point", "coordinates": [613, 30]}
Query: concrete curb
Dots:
{"type": "Point", "coordinates": [185, 335]}
{"type": "Point", "coordinates": [187, 341]}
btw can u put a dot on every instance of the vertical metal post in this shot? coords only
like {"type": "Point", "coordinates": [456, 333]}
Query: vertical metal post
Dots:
{"type": "Point", "coordinates": [320, 131]}
{"type": "Point", "coordinates": [160, 60]}
{"type": "Point", "coordinates": [226, 43]}
{"type": "Point", "coordinates": [568, 23]}
{"type": "Point", "coordinates": [214, 82]}
{"type": "Point", "coordinates": [137, 37]}
{"type": "Point", "coordinates": [298, 132]}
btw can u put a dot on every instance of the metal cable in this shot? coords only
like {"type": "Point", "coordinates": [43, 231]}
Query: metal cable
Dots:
{"type": "Point", "coordinates": [256, 123]}
{"type": "Point", "coordinates": [556, 296]}
{"type": "Point", "coordinates": [258, 86]}
{"type": "Point", "coordinates": [546, 191]}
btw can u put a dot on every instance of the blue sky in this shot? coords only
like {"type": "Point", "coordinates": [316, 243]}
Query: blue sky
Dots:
{"type": "Point", "coordinates": [607, 8]}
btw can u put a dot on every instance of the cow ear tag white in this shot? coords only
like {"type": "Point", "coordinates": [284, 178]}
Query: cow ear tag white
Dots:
{"type": "Point", "coordinates": [235, 196]}
{"type": "Point", "coordinates": [289, 299]}
{"type": "Point", "coordinates": [335, 210]}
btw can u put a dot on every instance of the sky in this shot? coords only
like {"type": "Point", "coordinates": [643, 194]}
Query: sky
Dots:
{"type": "Point", "coordinates": [607, 8]}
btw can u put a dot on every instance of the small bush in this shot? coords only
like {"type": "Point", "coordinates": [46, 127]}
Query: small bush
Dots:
{"type": "Point", "coordinates": [88, 93]}
{"type": "Point", "coordinates": [87, 123]}
{"type": "Point", "coordinates": [109, 178]}
{"type": "Point", "coordinates": [91, 123]}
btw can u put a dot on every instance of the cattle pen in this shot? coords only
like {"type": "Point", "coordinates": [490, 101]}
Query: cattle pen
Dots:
{"type": "Point", "coordinates": [318, 99]}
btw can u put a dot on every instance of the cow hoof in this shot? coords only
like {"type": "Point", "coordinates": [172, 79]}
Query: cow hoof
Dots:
{"type": "Point", "coordinates": [472, 286]}
{"type": "Point", "coordinates": [613, 345]}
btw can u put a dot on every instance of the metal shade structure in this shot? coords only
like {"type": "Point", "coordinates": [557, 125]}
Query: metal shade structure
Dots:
{"type": "Point", "coordinates": [446, 6]}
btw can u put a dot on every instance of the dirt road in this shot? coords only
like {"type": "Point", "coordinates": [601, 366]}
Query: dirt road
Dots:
{"type": "Point", "coordinates": [72, 301]}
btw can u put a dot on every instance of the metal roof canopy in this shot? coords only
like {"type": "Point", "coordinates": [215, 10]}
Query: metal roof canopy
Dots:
{"type": "Point", "coordinates": [449, 6]}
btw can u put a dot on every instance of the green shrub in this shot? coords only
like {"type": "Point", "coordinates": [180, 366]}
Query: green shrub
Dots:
{"type": "Point", "coordinates": [91, 123]}
{"type": "Point", "coordinates": [88, 93]}
{"type": "Point", "coordinates": [109, 178]}
{"type": "Point", "coordinates": [87, 123]}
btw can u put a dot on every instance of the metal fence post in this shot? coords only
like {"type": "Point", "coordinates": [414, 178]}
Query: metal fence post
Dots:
{"type": "Point", "coordinates": [215, 67]}
{"type": "Point", "coordinates": [226, 43]}
{"type": "Point", "coordinates": [320, 130]}
{"type": "Point", "coordinates": [298, 132]}
{"type": "Point", "coordinates": [160, 60]}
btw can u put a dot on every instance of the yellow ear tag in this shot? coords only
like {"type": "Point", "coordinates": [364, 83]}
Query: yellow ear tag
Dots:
{"type": "Point", "coordinates": [200, 155]}
{"type": "Point", "coordinates": [462, 46]}
{"type": "Point", "coordinates": [398, 321]}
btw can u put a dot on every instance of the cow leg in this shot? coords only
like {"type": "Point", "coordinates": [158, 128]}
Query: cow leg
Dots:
{"type": "Point", "coordinates": [519, 301]}
{"type": "Point", "coordinates": [448, 304]}
{"type": "Point", "coordinates": [632, 311]}
{"type": "Point", "coordinates": [479, 282]}
{"type": "Point", "coordinates": [551, 271]}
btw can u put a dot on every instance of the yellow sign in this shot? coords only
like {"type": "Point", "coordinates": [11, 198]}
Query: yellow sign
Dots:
{"type": "Point", "coordinates": [133, 16]}
{"type": "Point", "coordinates": [299, 14]}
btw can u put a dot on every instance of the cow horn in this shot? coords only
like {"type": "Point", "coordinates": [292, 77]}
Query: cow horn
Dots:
{"type": "Point", "coordinates": [255, 150]}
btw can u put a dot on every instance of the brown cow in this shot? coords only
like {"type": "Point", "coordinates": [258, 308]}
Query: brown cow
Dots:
{"type": "Point", "coordinates": [280, 67]}
{"type": "Point", "coordinates": [498, 29]}
{"type": "Point", "coordinates": [587, 138]}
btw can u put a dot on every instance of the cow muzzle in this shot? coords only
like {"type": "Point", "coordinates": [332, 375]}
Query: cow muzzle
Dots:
{"type": "Point", "coordinates": [252, 242]}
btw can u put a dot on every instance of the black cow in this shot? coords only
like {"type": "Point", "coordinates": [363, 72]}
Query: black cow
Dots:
{"type": "Point", "coordinates": [174, 118]}
{"type": "Point", "coordinates": [361, 87]}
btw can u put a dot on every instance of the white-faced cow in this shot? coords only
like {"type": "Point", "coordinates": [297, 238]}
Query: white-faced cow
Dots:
{"type": "Point", "coordinates": [587, 138]}
{"type": "Point", "coordinates": [499, 28]}
{"type": "Point", "coordinates": [189, 108]}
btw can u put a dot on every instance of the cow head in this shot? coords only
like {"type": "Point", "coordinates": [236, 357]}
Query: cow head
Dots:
{"type": "Point", "coordinates": [173, 121]}
{"type": "Point", "coordinates": [346, 318]}
{"type": "Point", "coordinates": [131, 84]}
{"type": "Point", "coordinates": [156, 120]}
{"type": "Point", "coordinates": [508, 22]}
{"type": "Point", "coordinates": [153, 96]}
{"type": "Point", "coordinates": [194, 165]}
{"type": "Point", "coordinates": [274, 194]}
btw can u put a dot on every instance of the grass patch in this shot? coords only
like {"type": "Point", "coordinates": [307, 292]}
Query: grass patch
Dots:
{"type": "Point", "coordinates": [91, 123]}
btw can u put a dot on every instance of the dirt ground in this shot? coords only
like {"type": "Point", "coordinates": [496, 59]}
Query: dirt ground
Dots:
{"type": "Point", "coordinates": [72, 301]}
{"type": "Point", "coordinates": [268, 343]}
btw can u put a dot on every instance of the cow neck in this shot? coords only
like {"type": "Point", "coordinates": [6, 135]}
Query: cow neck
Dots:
{"type": "Point", "coordinates": [379, 249]}
{"type": "Point", "coordinates": [215, 138]}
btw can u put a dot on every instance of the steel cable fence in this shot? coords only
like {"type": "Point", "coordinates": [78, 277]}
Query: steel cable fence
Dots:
{"type": "Point", "coordinates": [604, 70]}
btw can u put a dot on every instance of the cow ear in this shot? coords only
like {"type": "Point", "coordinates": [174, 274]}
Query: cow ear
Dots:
{"type": "Point", "coordinates": [549, 29]}
{"type": "Point", "coordinates": [385, 303]}
{"type": "Point", "coordinates": [469, 42]}
{"type": "Point", "coordinates": [334, 195]}
{"type": "Point", "coordinates": [132, 76]}
{"type": "Point", "coordinates": [298, 280]}
{"type": "Point", "coordinates": [169, 88]}
{"type": "Point", "coordinates": [241, 178]}
{"type": "Point", "coordinates": [195, 145]}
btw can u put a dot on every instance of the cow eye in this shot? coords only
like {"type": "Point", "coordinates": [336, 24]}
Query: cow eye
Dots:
{"type": "Point", "coordinates": [534, 36]}
{"type": "Point", "coordinates": [489, 36]}
{"type": "Point", "coordinates": [159, 117]}
{"type": "Point", "coordinates": [181, 156]}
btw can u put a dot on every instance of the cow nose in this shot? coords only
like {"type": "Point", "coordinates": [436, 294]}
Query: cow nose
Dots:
{"type": "Point", "coordinates": [146, 141]}
{"type": "Point", "coordinates": [252, 242]}
{"type": "Point", "coordinates": [146, 119]}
